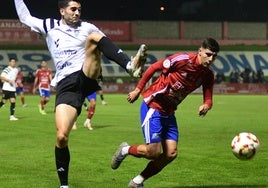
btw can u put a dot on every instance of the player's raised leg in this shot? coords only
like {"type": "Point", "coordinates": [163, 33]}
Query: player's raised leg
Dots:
{"type": "Point", "coordinates": [134, 65]}
{"type": "Point", "coordinates": [92, 64]}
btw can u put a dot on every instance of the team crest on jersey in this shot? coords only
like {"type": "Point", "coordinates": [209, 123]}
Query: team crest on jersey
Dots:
{"type": "Point", "coordinates": [166, 64]}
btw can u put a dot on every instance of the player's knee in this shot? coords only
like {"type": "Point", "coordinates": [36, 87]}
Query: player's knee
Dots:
{"type": "Point", "coordinates": [172, 155]}
{"type": "Point", "coordinates": [62, 140]}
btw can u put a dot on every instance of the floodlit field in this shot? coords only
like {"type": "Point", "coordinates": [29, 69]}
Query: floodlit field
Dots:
{"type": "Point", "coordinates": [205, 158]}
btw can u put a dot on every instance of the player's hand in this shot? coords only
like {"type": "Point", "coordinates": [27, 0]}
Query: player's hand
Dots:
{"type": "Point", "coordinates": [34, 90]}
{"type": "Point", "coordinates": [203, 109]}
{"type": "Point", "coordinates": [134, 95]}
{"type": "Point", "coordinates": [11, 83]}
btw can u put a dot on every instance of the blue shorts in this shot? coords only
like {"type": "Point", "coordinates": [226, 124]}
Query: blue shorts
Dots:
{"type": "Point", "coordinates": [157, 127]}
{"type": "Point", "coordinates": [19, 90]}
{"type": "Point", "coordinates": [92, 96]}
{"type": "Point", "coordinates": [44, 93]}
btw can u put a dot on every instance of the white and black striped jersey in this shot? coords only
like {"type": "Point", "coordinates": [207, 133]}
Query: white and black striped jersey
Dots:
{"type": "Point", "coordinates": [9, 73]}
{"type": "Point", "coordinates": [66, 44]}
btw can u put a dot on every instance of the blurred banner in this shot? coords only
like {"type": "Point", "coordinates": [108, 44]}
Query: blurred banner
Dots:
{"type": "Point", "coordinates": [163, 33]}
{"type": "Point", "coordinates": [227, 88]}
{"type": "Point", "coordinates": [226, 61]}
{"type": "Point", "coordinates": [12, 32]}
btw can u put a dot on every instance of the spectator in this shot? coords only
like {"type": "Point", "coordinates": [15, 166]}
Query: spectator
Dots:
{"type": "Point", "coordinates": [254, 77]}
{"type": "Point", "coordinates": [220, 77]}
{"type": "Point", "coordinates": [260, 76]}
{"type": "Point", "coordinates": [30, 77]}
{"type": "Point", "coordinates": [245, 75]}
{"type": "Point", "coordinates": [234, 77]}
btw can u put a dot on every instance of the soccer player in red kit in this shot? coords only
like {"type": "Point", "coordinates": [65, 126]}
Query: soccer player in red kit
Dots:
{"type": "Point", "coordinates": [43, 78]}
{"type": "Point", "coordinates": [181, 74]}
{"type": "Point", "coordinates": [19, 87]}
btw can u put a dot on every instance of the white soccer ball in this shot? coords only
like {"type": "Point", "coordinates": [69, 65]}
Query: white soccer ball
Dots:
{"type": "Point", "coordinates": [245, 145]}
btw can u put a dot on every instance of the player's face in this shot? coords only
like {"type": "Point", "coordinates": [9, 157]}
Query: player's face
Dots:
{"type": "Point", "coordinates": [43, 64]}
{"type": "Point", "coordinates": [71, 14]}
{"type": "Point", "coordinates": [12, 63]}
{"type": "Point", "coordinates": [206, 57]}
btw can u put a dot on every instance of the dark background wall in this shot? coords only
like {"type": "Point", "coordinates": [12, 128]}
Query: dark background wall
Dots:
{"type": "Point", "coordinates": [193, 10]}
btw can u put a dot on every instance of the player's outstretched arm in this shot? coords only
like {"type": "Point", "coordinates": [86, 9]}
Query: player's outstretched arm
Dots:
{"type": "Point", "coordinates": [22, 11]}
{"type": "Point", "coordinates": [25, 16]}
{"type": "Point", "coordinates": [134, 95]}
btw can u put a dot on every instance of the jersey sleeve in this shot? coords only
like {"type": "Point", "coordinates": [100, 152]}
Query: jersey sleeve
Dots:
{"type": "Point", "coordinates": [148, 74]}
{"type": "Point", "coordinates": [4, 72]}
{"type": "Point", "coordinates": [37, 73]}
{"type": "Point", "coordinates": [26, 18]}
{"type": "Point", "coordinates": [92, 28]}
{"type": "Point", "coordinates": [208, 90]}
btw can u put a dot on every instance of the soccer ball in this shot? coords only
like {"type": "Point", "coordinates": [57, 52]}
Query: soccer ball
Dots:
{"type": "Point", "coordinates": [245, 145]}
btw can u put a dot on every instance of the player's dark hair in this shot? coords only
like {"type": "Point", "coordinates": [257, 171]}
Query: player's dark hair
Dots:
{"type": "Point", "coordinates": [12, 58]}
{"type": "Point", "coordinates": [64, 3]}
{"type": "Point", "coordinates": [211, 44]}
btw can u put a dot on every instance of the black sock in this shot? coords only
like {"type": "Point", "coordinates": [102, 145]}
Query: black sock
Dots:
{"type": "Point", "coordinates": [112, 52]}
{"type": "Point", "coordinates": [150, 170]}
{"type": "Point", "coordinates": [12, 108]}
{"type": "Point", "coordinates": [62, 156]}
{"type": "Point", "coordinates": [102, 97]}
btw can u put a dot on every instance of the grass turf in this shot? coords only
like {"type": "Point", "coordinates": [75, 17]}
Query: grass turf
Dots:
{"type": "Point", "coordinates": [205, 158]}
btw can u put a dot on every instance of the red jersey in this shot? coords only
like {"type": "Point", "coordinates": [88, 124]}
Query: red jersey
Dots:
{"type": "Point", "coordinates": [44, 76]}
{"type": "Point", "coordinates": [181, 74]}
{"type": "Point", "coordinates": [19, 79]}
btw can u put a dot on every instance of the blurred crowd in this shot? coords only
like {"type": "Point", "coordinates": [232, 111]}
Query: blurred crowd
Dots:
{"type": "Point", "coordinates": [246, 76]}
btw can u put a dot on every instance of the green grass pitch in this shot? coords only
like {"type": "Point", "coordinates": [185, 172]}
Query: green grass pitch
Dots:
{"type": "Point", "coordinates": [205, 158]}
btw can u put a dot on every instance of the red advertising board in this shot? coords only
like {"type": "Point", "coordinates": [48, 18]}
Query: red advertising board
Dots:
{"type": "Point", "coordinates": [240, 88]}
{"type": "Point", "coordinates": [118, 31]}
{"type": "Point", "coordinates": [248, 89]}
{"type": "Point", "coordinates": [14, 32]}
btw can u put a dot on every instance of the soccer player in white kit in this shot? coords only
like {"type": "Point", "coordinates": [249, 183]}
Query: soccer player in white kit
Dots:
{"type": "Point", "coordinates": [8, 77]}
{"type": "Point", "coordinates": [76, 48]}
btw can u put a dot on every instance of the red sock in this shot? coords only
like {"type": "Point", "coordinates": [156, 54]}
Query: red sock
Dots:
{"type": "Point", "coordinates": [133, 150]}
{"type": "Point", "coordinates": [91, 112]}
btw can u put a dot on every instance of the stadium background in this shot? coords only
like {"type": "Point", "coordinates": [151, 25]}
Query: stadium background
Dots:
{"type": "Point", "coordinates": [205, 158]}
{"type": "Point", "coordinates": [165, 26]}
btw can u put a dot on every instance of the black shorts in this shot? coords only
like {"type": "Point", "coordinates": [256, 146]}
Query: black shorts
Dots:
{"type": "Point", "coordinates": [73, 90]}
{"type": "Point", "coordinates": [8, 94]}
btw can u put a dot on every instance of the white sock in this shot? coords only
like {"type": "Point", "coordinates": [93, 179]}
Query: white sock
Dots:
{"type": "Point", "coordinates": [64, 186]}
{"type": "Point", "coordinates": [129, 65]}
{"type": "Point", "coordinates": [138, 179]}
{"type": "Point", "coordinates": [125, 150]}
